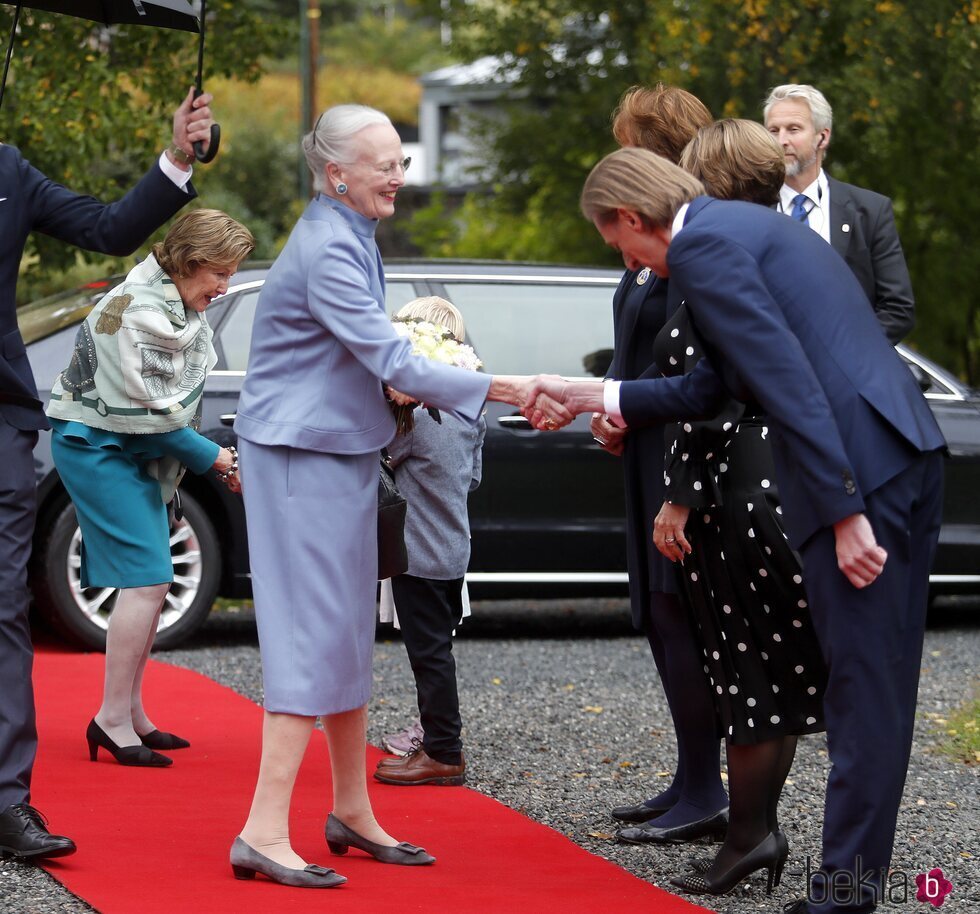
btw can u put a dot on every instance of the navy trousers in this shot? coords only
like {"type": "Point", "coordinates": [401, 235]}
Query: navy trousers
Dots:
{"type": "Point", "coordinates": [18, 505]}
{"type": "Point", "coordinates": [872, 642]}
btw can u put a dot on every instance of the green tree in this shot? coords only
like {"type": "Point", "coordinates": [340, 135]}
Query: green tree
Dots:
{"type": "Point", "coordinates": [91, 107]}
{"type": "Point", "coordinates": [902, 77]}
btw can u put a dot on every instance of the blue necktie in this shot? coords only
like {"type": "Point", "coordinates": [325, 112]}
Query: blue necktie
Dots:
{"type": "Point", "coordinates": [799, 212]}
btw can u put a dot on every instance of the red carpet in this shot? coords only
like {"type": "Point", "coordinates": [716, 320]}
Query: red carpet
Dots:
{"type": "Point", "coordinates": [156, 841]}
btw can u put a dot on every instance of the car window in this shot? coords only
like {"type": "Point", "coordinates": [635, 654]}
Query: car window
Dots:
{"type": "Point", "coordinates": [398, 293]}
{"type": "Point", "coordinates": [235, 334]}
{"type": "Point", "coordinates": [522, 328]}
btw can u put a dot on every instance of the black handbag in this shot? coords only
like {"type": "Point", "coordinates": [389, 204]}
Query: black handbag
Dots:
{"type": "Point", "coordinates": [392, 554]}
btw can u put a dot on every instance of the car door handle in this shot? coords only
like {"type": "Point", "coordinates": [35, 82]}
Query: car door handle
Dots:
{"type": "Point", "coordinates": [228, 418]}
{"type": "Point", "coordinates": [519, 423]}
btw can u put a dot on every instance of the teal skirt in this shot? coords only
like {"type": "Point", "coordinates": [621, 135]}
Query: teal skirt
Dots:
{"type": "Point", "coordinates": [125, 530]}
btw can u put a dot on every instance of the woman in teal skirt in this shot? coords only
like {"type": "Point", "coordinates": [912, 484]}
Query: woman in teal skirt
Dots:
{"type": "Point", "coordinates": [123, 416]}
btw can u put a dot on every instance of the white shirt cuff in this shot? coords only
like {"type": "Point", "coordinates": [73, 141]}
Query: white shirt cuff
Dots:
{"type": "Point", "coordinates": [179, 177]}
{"type": "Point", "coordinates": [610, 402]}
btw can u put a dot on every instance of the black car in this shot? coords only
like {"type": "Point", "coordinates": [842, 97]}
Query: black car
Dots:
{"type": "Point", "coordinates": [549, 514]}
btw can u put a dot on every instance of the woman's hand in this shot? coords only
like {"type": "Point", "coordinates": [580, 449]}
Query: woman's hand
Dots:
{"type": "Point", "coordinates": [609, 437]}
{"type": "Point", "coordinates": [668, 531]}
{"type": "Point", "coordinates": [226, 467]}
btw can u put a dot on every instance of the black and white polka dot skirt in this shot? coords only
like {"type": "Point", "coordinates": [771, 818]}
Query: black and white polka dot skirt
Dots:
{"type": "Point", "coordinates": [744, 587]}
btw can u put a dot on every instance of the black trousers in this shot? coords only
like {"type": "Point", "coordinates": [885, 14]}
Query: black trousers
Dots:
{"type": "Point", "coordinates": [18, 505]}
{"type": "Point", "coordinates": [429, 611]}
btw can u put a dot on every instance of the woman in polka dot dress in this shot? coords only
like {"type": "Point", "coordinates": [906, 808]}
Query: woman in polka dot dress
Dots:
{"type": "Point", "coordinates": [739, 576]}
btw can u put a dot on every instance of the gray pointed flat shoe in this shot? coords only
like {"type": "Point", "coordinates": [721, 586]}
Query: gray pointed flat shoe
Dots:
{"type": "Point", "coordinates": [246, 862]}
{"type": "Point", "coordinates": [340, 838]}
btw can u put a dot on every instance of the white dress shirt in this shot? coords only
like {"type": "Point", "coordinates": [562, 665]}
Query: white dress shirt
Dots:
{"type": "Point", "coordinates": [177, 175]}
{"type": "Point", "coordinates": [818, 212]}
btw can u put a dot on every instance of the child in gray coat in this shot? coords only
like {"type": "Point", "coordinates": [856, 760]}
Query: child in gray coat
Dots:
{"type": "Point", "coordinates": [437, 464]}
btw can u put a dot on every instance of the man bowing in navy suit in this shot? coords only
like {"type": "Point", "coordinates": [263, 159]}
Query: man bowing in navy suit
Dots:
{"type": "Point", "coordinates": [29, 201]}
{"type": "Point", "coordinates": [858, 463]}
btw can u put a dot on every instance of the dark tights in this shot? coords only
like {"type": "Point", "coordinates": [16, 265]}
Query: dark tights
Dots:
{"type": "Point", "coordinates": [696, 791]}
{"type": "Point", "coordinates": [756, 775]}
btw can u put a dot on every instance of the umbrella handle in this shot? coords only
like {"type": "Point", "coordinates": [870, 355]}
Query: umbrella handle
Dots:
{"type": "Point", "coordinates": [205, 157]}
{"type": "Point", "coordinates": [199, 153]}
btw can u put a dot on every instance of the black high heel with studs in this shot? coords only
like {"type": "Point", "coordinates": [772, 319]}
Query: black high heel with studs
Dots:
{"type": "Point", "coordinates": [702, 864]}
{"type": "Point", "coordinates": [157, 739]}
{"type": "Point", "coordinates": [134, 756]}
{"type": "Point", "coordinates": [769, 854]}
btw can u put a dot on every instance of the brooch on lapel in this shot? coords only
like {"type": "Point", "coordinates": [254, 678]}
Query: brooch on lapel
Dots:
{"type": "Point", "coordinates": [845, 228]}
{"type": "Point", "coordinates": [643, 276]}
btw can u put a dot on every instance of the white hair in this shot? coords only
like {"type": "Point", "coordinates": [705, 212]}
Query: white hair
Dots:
{"type": "Point", "coordinates": [332, 138]}
{"type": "Point", "coordinates": [821, 113]}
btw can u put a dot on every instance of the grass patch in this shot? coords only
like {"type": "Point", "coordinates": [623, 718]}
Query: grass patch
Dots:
{"type": "Point", "coordinates": [962, 732]}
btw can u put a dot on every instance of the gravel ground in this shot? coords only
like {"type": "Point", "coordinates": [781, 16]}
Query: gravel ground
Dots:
{"type": "Point", "coordinates": [564, 718]}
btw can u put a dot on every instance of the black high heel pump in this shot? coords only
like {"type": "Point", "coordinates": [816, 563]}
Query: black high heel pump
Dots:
{"type": "Point", "coordinates": [157, 739]}
{"type": "Point", "coordinates": [135, 756]}
{"type": "Point", "coordinates": [769, 854]}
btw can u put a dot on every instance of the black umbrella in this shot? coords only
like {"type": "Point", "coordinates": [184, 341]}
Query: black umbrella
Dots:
{"type": "Point", "coordinates": [166, 14]}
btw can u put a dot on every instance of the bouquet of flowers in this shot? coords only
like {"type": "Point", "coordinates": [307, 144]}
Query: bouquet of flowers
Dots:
{"type": "Point", "coordinates": [433, 341]}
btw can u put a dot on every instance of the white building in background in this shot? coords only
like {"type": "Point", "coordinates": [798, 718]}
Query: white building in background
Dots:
{"type": "Point", "coordinates": [451, 98]}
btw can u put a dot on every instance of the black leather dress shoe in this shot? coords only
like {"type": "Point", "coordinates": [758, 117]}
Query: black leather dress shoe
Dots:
{"type": "Point", "coordinates": [638, 813]}
{"type": "Point", "coordinates": [796, 907]}
{"type": "Point", "coordinates": [24, 833]}
{"type": "Point", "coordinates": [713, 826]}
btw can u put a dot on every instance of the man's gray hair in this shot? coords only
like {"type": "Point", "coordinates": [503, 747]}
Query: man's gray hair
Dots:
{"type": "Point", "coordinates": [821, 113]}
{"type": "Point", "coordinates": [332, 138]}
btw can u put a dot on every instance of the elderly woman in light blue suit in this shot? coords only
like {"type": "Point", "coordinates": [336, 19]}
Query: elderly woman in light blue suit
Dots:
{"type": "Point", "coordinates": [311, 421]}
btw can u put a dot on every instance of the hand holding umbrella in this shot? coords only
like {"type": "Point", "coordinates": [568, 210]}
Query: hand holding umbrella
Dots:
{"type": "Point", "coordinates": [193, 126]}
{"type": "Point", "coordinates": [168, 14]}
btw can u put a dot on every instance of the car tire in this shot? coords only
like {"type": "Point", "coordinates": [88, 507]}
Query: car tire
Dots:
{"type": "Point", "coordinates": [82, 616]}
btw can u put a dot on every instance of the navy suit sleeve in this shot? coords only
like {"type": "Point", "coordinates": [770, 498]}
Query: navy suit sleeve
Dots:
{"type": "Point", "coordinates": [700, 394]}
{"type": "Point", "coordinates": [894, 302]}
{"type": "Point", "coordinates": [111, 228]}
{"type": "Point", "coordinates": [736, 313]}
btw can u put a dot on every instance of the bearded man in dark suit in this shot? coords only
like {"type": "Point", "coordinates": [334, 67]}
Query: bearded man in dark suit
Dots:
{"type": "Point", "coordinates": [859, 224]}
{"type": "Point", "coordinates": [30, 201]}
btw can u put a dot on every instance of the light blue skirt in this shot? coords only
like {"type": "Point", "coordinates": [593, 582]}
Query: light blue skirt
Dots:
{"type": "Point", "coordinates": [313, 549]}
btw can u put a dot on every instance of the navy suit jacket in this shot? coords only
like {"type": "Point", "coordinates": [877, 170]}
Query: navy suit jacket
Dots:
{"type": "Point", "coordinates": [29, 201]}
{"type": "Point", "coordinates": [784, 322]}
{"type": "Point", "coordinates": [863, 232]}
{"type": "Point", "coordinates": [639, 312]}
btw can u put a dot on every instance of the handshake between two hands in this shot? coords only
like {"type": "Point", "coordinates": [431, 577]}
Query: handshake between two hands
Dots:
{"type": "Point", "coordinates": [548, 402]}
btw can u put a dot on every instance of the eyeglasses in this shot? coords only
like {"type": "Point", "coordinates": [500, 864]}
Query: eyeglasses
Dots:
{"type": "Point", "coordinates": [389, 168]}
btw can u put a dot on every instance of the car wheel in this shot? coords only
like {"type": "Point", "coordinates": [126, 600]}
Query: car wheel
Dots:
{"type": "Point", "coordinates": [82, 614]}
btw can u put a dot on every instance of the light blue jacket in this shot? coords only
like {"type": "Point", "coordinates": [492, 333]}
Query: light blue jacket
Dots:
{"type": "Point", "coordinates": [322, 345]}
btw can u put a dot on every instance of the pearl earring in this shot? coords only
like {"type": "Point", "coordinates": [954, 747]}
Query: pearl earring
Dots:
{"type": "Point", "coordinates": [341, 188]}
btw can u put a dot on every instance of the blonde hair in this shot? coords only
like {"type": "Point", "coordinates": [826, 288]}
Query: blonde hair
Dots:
{"type": "Point", "coordinates": [736, 160]}
{"type": "Point", "coordinates": [662, 119]}
{"type": "Point", "coordinates": [203, 236]}
{"type": "Point", "coordinates": [637, 180]}
{"type": "Point", "coordinates": [436, 310]}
